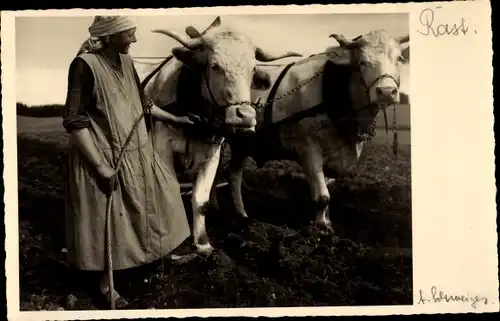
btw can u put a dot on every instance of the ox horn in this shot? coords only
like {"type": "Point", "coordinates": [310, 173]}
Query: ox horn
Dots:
{"type": "Point", "coordinates": [403, 39]}
{"type": "Point", "coordinates": [192, 32]}
{"type": "Point", "coordinates": [214, 24]}
{"type": "Point", "coordinates": [263, 56]}
{"type": "Point", "coordinates": [344, 42]}
{"type": "Point", "coordinates": [184, 40]}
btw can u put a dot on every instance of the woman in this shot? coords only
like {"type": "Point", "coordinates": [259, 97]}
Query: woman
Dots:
{"type": "Point", "coordinates": [103, 102]}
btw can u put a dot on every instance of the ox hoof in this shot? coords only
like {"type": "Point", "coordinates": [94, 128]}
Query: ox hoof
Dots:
{"type": "Point", "coordinates": [241, 224]}
{"type": "Point", "coordinates": [204, 249]}
{"type": "Point", "coordinates": [182, 259]}
{"type": "Point", "coordinates": [324, 227]}
{"type": "Point", "coordinates": [239, 213]}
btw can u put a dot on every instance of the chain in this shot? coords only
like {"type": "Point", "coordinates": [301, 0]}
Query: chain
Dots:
{"type": "Point", "coordinates": [366, 135]}
{"type": "Point", "coordinates": [295, 89]}
{"type": "Point", "coordinates": [290, 92]}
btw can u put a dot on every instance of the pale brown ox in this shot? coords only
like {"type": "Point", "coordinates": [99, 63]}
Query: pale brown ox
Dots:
{"type": "Point", "coordinates": [210, 77]}
{"type": "Point", "coordinates": [324, 109]}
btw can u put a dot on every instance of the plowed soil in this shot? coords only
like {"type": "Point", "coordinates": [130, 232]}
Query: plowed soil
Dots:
{"type": "Point", "coordinates": [275, 260]}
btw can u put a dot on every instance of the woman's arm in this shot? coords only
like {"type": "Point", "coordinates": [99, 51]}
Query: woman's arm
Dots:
{"type": "Point", "coordinates": [156, 111]}
{"type": "Point", "coordinates": [81, 137]}
{"type": "Point", "coordinates": [166, 116]}
{"type": "Point", "coordinates": [76, 119]}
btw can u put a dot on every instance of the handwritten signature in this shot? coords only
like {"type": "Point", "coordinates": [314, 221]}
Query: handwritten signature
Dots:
{"type": "Point", "coordinates": [440, 296]}
{"type": "Point", "coordinates": [432, 28]}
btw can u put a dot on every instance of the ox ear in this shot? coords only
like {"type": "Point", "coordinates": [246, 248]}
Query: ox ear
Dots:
{"type": "Point", "coordinates": [261, 79]}
{"type": "Point", "coordinates": [404, 45]}
{"type": "Point", "coordinates": [405, 52]}
{"type": "Point", "coordinates": [186, 56]}
{"type": "Point", "coordinates": [192, 32]}
{"type": "Point", "coordinates": [339, 55]}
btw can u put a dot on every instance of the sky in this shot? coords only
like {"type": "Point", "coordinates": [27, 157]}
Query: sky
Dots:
{"type": "Point", "coordinates": [45, 46]}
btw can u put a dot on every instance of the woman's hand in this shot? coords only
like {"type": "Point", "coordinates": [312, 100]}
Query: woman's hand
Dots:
{"type": "Point", "coordinates": [195, 119]}
{"type": "Point", "coordinates": [183, 120]}
{"type": "Point", "coordinates": [105, 170]}
{"type": "Point", "coordinates": [166, 116]}
{"type": "Point", "coordinates": [109, 176]}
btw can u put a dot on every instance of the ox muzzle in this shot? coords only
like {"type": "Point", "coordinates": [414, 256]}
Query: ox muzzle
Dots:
{"type": "Point", "coordinates": [384, 90]}
{"type": "Point", "coordinates": [236, 117]}
{"type": "Point", "coordinates": [241, 117]}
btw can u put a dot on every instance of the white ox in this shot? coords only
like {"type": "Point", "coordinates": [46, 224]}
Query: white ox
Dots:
{"type": "Point", "coordinates": [209, 77]}
{"type": "Point", "coordinates": [324, 108]}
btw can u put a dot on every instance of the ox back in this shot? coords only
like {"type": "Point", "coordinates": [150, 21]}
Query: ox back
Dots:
{"type": "Point", "coordinates": [337, 104]}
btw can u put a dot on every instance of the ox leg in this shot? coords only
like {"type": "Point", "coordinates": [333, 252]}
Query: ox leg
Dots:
{"type": "Point", "coordinates": [214, 203]}
{"type": "Point", "coordinates": [201, 200]}
{"type": "Point", "coordinates": [235, 181]}
{"type": "Point", "coordinates": [312, 165]}
{"type": "Point", "coordinates": [240, 148]}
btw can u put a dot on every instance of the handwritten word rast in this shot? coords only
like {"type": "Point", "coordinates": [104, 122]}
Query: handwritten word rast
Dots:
{"type": "Point", "coordinates": [431, 26]}
{"type": "Point", "coordinates": [442, 297]}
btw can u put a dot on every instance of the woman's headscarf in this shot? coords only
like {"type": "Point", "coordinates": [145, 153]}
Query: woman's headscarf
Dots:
{"type": "Point", "coordinates": [105, 26]}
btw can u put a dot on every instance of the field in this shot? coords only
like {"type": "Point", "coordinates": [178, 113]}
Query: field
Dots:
{"type": "Point", "coordinates": [278, 260]}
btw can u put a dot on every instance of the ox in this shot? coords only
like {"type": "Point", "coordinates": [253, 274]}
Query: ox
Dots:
{"type": "Point", "coordinates": [320, 111]}
{"type": "Point", "coordinates": [210, 78]}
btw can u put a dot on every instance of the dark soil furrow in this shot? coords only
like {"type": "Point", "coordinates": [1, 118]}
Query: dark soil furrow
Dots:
{"type": "Point", "coordinates": [274, 259]}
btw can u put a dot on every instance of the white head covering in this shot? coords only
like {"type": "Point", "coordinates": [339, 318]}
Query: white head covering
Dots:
{"type": "Point", "coordinates": [105, 26]}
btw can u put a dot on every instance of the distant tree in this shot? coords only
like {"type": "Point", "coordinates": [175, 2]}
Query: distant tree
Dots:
{"type": "Point", "coordinates": [57, 110]}
{"type": "Point", "coordinates": [406, 53]}
{"type": "Point", "coordinates": [54, 110]}
{"type": "Point", "coordinates": [404, 98]}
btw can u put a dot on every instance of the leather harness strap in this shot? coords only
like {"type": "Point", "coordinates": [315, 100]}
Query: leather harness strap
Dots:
{"type": "Point", "coordinates": [157, 69]}
{"type": "Point", "coordinates": [268, 109]}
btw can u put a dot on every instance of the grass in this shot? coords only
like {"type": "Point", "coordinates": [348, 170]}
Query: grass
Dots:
{"type": "Point", "coordinates": [54, 112]}
{"type": "Point", "coordinates": [277, 260]}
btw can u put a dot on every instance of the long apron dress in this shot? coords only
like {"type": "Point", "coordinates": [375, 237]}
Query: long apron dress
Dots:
{"type": "Point", "coordinates": [148, 217]}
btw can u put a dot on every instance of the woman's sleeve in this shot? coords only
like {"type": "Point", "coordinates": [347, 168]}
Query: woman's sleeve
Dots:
{"type": "Point", "coordinates": [79, 96]}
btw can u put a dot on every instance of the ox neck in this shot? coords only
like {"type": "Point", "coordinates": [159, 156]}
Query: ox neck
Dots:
{"type": "Point", "coordinates": [365, 110]}
{"type": "Point", "coordinates": [190, 99]}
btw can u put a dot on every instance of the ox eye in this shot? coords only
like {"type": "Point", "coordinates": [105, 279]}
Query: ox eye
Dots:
{"type": "Point", "coordinates": [363, 63]}
{"type": "Point", "coordinates": [216, 68]}
{"type": "Point", "coordinates": [401, 59]}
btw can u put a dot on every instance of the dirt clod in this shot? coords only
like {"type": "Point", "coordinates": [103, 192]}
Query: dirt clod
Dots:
{"type": "Point", "coordinates": [275, 259]}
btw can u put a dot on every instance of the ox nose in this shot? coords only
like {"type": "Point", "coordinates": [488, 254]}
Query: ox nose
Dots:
{"type": "Point", "coordinates": [387, 94]}
{"type": "Point", "coordinates": [239, 113]}
{"type": "Point", "coordinates": [246, 114]}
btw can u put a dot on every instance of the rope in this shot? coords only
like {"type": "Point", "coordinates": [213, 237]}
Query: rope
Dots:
{"type": "Point", "coordinates": [154, 173]}
{"type": "Point", "coordinates": [108, 216]}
